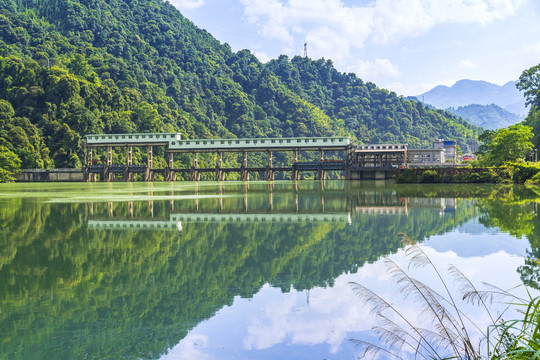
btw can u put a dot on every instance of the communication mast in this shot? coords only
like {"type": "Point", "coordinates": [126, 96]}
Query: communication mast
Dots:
{"type": "Point", "coordinates": [305, 49]}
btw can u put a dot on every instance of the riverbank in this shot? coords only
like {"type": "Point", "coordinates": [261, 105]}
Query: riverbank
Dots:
{"type": "Point", "coordinates": [519, 173]}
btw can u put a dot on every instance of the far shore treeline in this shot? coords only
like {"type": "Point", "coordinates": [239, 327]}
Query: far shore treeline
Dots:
{"type": "Point", "coordinates": [70, 68]}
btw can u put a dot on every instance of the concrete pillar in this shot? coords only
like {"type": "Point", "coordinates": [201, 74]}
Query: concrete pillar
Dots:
{"type": "Point", "coordinates": [295, 171]}
{"type": "Point", "coordinates": [128, 176]}
{"type": "Point", "coordinates": [321, 171]}
{"type": "Point", "coordinates": [347, 173]}
{"type": "Point", "coordinates": [169, 173]}
{"type": "Point", "coordinates": [219, 167]}
{"type": "Point", "coordinates": [149, 164]}
{"type": "Point", "coordinates": [88, 176]}
{"type": "Point", "coordinates": [245, 172]}
{"type": "Point", "coordinates": [269, 171]}
{"type": "Point", "coordinates": [106, 172]}
{"type": "Point", "coordinates": [195, 175]}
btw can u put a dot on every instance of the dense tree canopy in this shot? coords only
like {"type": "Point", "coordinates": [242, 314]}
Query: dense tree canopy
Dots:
{"type": "Point", "coordinates": [73, 67]}
{"type": "Point", "coordinates": [507, 144]}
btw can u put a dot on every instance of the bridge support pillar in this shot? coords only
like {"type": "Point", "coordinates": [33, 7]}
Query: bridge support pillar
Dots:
{"type": "Point", "coordinates": [244, 170]}
{"type": "Point", "coordinates": [169, 172]}
{"type": "Point", "coordinates": [347, 172]}
{"type": "Point", "coordinates": [219, 167]}
{"type": "Point", "coordinates": [195, 175]}
{"type": "Point", "coordinates": [129, 162]}
{"type": "Point", "coordinates": [149, 174]}
{"type": "Point", "coordinates": [295, 171]}
{"type": "Point", "coordinates": [269, 171]}
{"type": "Point", "coordinates": [88, 176]}
{"type": "Point", "coordinates": [106, 171]}
{"type": "Point", "coordinates": [321, 171]}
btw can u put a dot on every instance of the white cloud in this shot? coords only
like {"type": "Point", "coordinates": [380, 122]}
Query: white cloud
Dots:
{"type": "Point", "coordinates": [262, 56]}
{"type": "Point", "coordinates": [187, 4]}
{"type": "Point", "coordinates": [466, 64]}
{"type": "Point", "coordinates": [372, 70]}
{"type": "Point", "coordinates": [334, 30]}
{"type": "Point", "coordinates": [381, 21]}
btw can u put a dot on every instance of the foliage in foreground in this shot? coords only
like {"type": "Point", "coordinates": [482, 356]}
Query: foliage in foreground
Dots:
{"type": "Point", "coordinates": [452, 332]}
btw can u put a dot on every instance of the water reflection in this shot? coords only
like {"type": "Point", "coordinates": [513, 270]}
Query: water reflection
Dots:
{"type": "Point", "coordinates": [128, 270]}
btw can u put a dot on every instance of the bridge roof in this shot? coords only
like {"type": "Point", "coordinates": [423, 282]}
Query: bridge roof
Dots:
{"type": "Point", "coordinates": [232, 145]}
{"type": "Point", "coordinates": [174, 142]}
{"type": "Point", "coordinates": [132, 139]}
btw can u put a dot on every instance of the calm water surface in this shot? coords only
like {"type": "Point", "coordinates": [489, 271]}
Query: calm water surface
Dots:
{"type": "Point", "coordinates": [234, 270]}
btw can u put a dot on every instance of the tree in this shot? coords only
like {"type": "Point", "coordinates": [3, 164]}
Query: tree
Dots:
{"type": "Point", "coordinates": [508, 144]}
{"type": "Point", "coordinates": [10, 164]}
{"type": "Point", "coordinates": [529, 81]}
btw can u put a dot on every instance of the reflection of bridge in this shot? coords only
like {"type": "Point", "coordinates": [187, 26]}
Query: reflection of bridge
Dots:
{"type": "Point", "coordinates": [175, 145]}
{"type": "Point", "coordinates": [382, 210]}
{"type": "Point", "coordinates": [175, 220]}
{"type": "Point", "coordinates": [134, 225]}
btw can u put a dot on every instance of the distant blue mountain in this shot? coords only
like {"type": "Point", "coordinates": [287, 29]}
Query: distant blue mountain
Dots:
{"type": "Point", "coordinates": [487, 116]}
{"type": "Point", "coordinates": [494, 107]}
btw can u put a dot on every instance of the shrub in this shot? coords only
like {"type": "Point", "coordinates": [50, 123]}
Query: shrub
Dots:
{"type": "Point", "coordinates": [429, 176]}
{"type": "Point", "coordinates": [523, 171]}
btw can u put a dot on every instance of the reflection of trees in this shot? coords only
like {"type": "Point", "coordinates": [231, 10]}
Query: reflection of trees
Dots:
{"type": "Point", "coordinates": [70, 292]}
{"type": "Point", "coordinates": [515, 209]}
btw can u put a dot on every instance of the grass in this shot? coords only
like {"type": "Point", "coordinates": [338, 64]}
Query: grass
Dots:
{"type": "Point", "coordinates": [445, 330]}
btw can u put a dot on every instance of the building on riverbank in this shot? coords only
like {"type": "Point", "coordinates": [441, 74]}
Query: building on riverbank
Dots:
{"type": "Point", "coordinates": [426, 156]}
{"type": "Point", "coordinates": [449, 147]}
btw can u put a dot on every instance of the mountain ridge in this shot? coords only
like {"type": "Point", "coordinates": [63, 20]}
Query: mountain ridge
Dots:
{"type": "Point", "coordinates": [73, 67]}
{"type": "Point", "coordinates": [467, 92]}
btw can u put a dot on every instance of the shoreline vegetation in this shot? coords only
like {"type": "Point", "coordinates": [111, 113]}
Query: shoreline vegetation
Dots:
{"type": "Point", "coordinates": [518, 173]}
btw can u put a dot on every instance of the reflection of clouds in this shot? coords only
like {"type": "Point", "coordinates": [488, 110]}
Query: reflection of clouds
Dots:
{"type": "Point", "coordinates": [331, 316]}
{"type": "Point", "coordinates": [328, 317]}
{"type": "Point", "coordinates": [190, 348]}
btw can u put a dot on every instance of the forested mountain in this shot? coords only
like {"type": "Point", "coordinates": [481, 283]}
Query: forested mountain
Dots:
{"type": "Point", "coordinates": [73, 67]}
{"type": "Point", "coordinates": [489, 117]}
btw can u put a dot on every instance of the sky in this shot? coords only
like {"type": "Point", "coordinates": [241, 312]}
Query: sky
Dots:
{"type": "Point", "coordinates": [407, 46]}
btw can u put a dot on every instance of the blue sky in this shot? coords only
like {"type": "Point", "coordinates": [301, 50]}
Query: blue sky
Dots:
{"type": "Point", "coordinates": [408, 46]}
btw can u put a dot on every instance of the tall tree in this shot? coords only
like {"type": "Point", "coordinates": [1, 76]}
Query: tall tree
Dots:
{"type": "Point", "coordinates": [508, 144]}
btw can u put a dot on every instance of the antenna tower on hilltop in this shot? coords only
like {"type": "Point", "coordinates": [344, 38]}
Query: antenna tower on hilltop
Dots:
{"type": "Point", "coordinates": [305, 49]}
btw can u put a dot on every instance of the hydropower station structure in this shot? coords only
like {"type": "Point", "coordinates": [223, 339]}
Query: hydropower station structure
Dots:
{"type": "Point", "coordinates": [174, 144]}
{"type": "Point", "coordinates": [350, 161]}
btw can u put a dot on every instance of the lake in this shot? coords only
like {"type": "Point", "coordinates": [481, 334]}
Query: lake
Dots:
{"type": "Point", "coordinates": [236, 270]}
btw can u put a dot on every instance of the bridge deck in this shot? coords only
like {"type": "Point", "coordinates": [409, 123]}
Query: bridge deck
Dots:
{"type": "Point", "coordinates": [283, 144]}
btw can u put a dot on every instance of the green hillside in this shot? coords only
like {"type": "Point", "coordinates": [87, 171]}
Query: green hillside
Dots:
{"type": "Point", "coordinates": [489, 117]}
{"type": "Point", "coordinates": [73, 67]}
